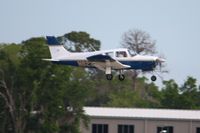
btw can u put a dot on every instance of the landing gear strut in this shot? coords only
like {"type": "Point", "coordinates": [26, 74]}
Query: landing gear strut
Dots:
{"type": "Point", "coordinates": [109, 76]}
{"type": "Point", "coordinates": [153, 78]}
{"type": "Point", "coordinates": [121, 75]}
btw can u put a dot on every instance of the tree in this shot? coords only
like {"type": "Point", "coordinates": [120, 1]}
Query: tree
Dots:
{"type": "Point", "coordinates": [123, 98]}
{"type": "Point", "coordinates": [189, 95]}
{"type": "Point", "coordinates": [8, 89]}
{"type": "Point", "coordinates": [79, 41]}
{"type": "Point", "coordinates": [122, 94]}
{"type": "Point", "coordinates": [151, 94]}
{"type": "Point", "coordinates": [37, 96]}
{"type": "Point", "coordinates": [54, 90]}
{"type": "Point", "coordinates": [189, 85]}
{"type": "Point", "coordinates": [19, 71]}
{"type": "Point", "coordinates": [170, 94]}
{"type": "Point", "coordinates": [184, 97]}
{"type": "Point", "coordinates": [139, 42]}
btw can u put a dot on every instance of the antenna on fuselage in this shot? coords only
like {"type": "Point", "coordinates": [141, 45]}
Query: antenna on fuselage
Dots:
{"type": "Point", "coordinates": [92, 47]}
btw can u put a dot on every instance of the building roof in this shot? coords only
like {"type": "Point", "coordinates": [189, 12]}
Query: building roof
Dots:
{"type": "Point", "coordinates": [136, 113]}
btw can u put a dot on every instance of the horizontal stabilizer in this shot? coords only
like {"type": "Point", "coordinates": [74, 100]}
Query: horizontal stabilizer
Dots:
{"type": "Point", "coordinates": [50, 60]}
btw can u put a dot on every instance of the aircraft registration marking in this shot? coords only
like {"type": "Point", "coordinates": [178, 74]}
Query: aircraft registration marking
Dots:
{"type": "Point", "coordinates": [84, 63]}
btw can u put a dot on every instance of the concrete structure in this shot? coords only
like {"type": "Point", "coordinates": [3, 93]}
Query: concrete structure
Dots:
{"type": "Point", "coordinates": [132, 120]}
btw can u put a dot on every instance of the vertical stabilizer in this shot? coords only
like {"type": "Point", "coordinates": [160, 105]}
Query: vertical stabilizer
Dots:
{"type": "Point", "coordinates": [56, 49]}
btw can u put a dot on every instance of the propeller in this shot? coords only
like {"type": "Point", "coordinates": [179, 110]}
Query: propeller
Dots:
{"type": "Point", "coordinates": [160, 61]}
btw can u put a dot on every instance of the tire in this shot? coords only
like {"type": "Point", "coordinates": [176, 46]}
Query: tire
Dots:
{"type": "Point", "coordinates": [109, 76]}
{"type": "Point", "coordinates": [121, 77]}
{"type": "Point", "coordinates": [153, 78]}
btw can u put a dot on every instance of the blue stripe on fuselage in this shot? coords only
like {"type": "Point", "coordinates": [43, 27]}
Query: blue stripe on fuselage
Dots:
{"type": "Point", "coordinates": [143, 65]}
{"type": "Point", "coordinates": [71, 63]}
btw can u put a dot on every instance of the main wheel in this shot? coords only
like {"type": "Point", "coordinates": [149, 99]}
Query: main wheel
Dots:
{"type": "Point", "coordinates": [153, 78]}
{"type": "Point", "coordinates": [109, 76]}
{"type": "Point", "coordinates": [121, 77]}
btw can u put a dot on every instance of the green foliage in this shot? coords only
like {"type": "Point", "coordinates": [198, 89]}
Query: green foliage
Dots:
{"type": "Point", "coordinates": [189, 85]}
{"type": "Point", "coordinates": [12, 50]}
{"type": "Point", "coordinates": [184, 97]}
{"type": "Point", "coordinates": [170, 94]}
{"type": "Point", "coordinates": [43, 92]}
{"type": "Point", "coordinates": [7, 82]}
{"type": "Point", "coordinates": [50, 98]}
{"type": "Point", "coordinates": [2, 115]}
{"type": "Point", "coordinates": [143, 95]}
{"type": "Point", "coordinates": [49, 127]}
{"type": "Point", "coordinates": [189, 94]}
{"type": "Point", "coordinates": [123, 98]}
{"type": "Point", "coordinates": [79, 41]}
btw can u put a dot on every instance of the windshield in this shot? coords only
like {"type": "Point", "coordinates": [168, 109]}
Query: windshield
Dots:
{"type": "Point", "coordinates": [132, 53]}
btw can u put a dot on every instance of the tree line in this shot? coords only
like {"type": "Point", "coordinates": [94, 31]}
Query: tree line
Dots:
{"type": "Point", "coordinates": [38, 96]}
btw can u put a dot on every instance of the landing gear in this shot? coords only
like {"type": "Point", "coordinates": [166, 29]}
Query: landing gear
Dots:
{"type": "Point", "coordinates": [121, 77]}
{"type": "Point", "coordinates": [109, 76]}
{"type": "Point", "coordinates": [153, 78]}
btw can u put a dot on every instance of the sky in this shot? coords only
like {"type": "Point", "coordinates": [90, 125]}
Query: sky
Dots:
{"type": "Point", "coordinates": [174, 24]}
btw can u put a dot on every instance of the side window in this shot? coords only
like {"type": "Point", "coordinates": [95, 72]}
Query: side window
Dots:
{"type": "Point", "coordinates": [99, 128]}
{"type": "Point", "coordinates": [198, 130]}
{"type": "Point", "coordinates": [125, 128]}
{"type": "Point", "coordinates": [121, 54]}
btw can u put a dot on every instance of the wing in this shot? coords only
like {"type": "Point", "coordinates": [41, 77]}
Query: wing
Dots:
{"type": "Point", "coordinates": [103, 61]}
{"type": "Point", "coordinates": [100, 58]}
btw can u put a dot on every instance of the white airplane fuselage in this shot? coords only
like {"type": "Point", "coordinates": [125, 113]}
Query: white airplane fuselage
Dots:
{"type": "Point", "coordinates": [145, 63]}
{"type": "Point", "coordinates": [105, 60]}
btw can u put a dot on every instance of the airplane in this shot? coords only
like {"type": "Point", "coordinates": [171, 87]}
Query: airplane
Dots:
{"type": "Point", "coordinates": [106, 60]}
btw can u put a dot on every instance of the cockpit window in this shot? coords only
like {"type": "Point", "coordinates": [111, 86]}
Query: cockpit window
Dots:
{"type": "Point", "coordinates": [111, 54]}
{"type": "Point", "coordinates": [121, 54]}
{"type": "Point", "coordinates": [132, 53]}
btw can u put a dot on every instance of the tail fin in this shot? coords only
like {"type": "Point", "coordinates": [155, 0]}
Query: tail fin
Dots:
{"type": "Point", "coordinates": [56, 49]}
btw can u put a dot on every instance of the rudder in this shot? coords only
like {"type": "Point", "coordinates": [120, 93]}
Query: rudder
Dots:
{"type": "Point", "coordinates": [56, 49]}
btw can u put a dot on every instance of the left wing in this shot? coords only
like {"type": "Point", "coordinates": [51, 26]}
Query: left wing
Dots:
{"type": "Point", "coordinates": [100, 58]}
{"type": "Point", "coordinates": [103, 61]}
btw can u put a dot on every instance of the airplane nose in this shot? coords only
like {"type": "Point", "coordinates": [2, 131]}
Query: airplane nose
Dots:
{"type": "Point", "coordinates": [161, 60]}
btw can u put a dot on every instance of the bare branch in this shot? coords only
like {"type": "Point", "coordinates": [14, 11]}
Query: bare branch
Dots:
{"type": "Point", "coordinates": [139, 42]}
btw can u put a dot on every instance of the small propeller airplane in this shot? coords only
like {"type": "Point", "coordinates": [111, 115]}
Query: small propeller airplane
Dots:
{"type": "Point", "coordinates": [107, 60]}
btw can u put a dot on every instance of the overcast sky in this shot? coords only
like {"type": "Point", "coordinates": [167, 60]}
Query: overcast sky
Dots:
{"type": "Point", "coordinates": [174, 24]}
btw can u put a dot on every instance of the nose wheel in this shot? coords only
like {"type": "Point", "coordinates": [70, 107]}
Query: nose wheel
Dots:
{"type": "Point", "coordinates": [153, 78]}
{"type": "Point", "coordinates": [121, 77]}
